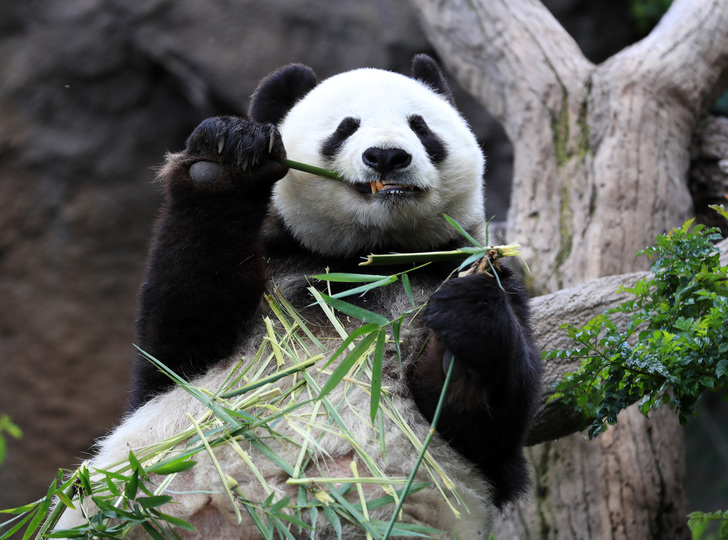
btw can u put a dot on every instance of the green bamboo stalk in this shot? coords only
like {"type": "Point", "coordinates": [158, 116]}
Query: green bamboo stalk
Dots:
{"type": "Point", "coordinates": [312, 169]}
{"type": "Point", "coordinates": [428, 439]}
{"type": "Point", "coordinates": [492, 252]}
{"type": "Point", "coordinates": [419, 257]}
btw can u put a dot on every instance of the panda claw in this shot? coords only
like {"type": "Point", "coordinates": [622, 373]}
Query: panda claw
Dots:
{"type": "Point", "coordinates": [271, 141]}
{"type": "Point", "coordinates": [220, 144]}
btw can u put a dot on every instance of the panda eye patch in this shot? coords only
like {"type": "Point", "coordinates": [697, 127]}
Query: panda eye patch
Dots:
{"type": "Point", "coordinates": [345, 129]}
{"type": "Point", "coordinates": [434, 146]}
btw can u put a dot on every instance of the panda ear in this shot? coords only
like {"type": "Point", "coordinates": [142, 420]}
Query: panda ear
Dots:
{"type": "Point", "coordinates": [426, 70]}
{"type": "Point", "coordinates": [279, 92]}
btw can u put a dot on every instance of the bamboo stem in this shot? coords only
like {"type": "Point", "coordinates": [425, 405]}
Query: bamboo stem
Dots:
{"type": "Point", "coordinates": [428, 439]}
{"type": "Point", "coordinates": [312, 169]}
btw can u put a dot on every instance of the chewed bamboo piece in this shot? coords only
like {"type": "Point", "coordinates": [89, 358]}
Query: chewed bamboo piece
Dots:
{"type": "Point", "coordinates": [492, 253]}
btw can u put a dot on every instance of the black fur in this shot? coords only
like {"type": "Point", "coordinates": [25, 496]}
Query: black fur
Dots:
{"type": "Point", "coordinates": [386, 160]}
{"type": "Point", "coordinates": [206, 275]}
{"type": "Point", "coordinates": [426, 70]}
{"type": "Point", "coordinates": [279, 92]}
{"type": "Point", "coordinates": [346, 128]}
{"type": "Point", "coordinates": [487, 330]}
{"type": "Point", "coordinates": [205, 272]}
{"type": "Point", "coordinates": [434, 146]}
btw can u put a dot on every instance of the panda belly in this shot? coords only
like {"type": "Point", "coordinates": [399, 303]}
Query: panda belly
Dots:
{"type": "Point", "coordinates": [458, 500]}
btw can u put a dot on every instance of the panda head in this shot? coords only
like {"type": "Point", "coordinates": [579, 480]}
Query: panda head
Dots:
{"type": "Point", "coordinates": [404, 151]}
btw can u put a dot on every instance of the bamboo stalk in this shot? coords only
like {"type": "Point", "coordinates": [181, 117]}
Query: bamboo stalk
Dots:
{"type": "Point", "coordinates": [492, 252]}
{"type": "Point", "coordinates": [428, 439]}
{"type": "Point", "coordinates": [311, 169]}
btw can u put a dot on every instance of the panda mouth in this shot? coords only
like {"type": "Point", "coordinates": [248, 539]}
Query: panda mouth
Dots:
{"type": "Point", "coordinates": [383, 187]}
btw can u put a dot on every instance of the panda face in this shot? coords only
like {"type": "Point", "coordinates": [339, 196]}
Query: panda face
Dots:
{"type": "Point", "coordinates": [406, 156]}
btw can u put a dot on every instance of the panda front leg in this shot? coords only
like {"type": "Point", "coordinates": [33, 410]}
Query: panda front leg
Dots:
{"type": "Point", "coordinates": [205, 272]}
{"type": "Point", "coordinates": [495, 387]}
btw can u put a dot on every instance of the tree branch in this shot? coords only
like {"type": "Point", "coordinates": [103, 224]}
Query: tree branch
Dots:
{"type": "Point", "coordinates": [512, 55]}
{"type": "Point", "coordinates": [685, 57]}
{"type": "Point", "coordinates": [709, 169]}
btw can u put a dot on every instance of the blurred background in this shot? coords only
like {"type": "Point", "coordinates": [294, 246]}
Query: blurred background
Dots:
{"type": "Point", "coordinates": [92, 95]}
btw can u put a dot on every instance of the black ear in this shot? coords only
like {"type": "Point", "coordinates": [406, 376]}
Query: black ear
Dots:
{"type": "Point", "coordinates": [279, 92]}
{"type": "Point", "coordinates": [426, 70]}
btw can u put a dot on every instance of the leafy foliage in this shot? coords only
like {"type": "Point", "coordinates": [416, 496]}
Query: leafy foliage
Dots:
{"type": "Point", "coordinates": [647, 13]}
{"type": "Point", "coordinates": [699, 522]}
{"type": "Point", "coordinates": [7, 427]}
{"type": "Point", "coordinates": [674, 345]}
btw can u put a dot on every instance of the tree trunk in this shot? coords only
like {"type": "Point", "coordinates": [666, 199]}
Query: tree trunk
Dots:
{"type": "Point", "coordinates": [601, 161]}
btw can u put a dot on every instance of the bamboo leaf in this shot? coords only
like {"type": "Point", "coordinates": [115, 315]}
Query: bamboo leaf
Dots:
{"type": "Point", "coordinates": [364, 288]}
{"type": "Point", "coordinates": [333, 519]}
{"type": "Point", "coordinates": [358, 516]}
{"type": "Point", "coordinates": [18, 525]}
{"type": "Point", "coordinates": [462, 231]}
{"type": "Point", "coordinates": [189, 388]}
{"type": "Point", "coordinates": [348, 362]}
{"type": "Point", "coordinates": [355, 311]}
{"type": "Point", "coordinates": [472, 259]}
{"type": "Point", "coordinates": [262, 528]}
{"type": "Point", "coordinates": [154, 501]}
{"type": "Point", "coordinates": [366, 329]}
{"type": "Point", "coordinates": [377, 373]}
{"type": "Point", "coordinates": [130, 490]}
{"type": "Point", "coordinates": [396, 329]}
{"type": "Point", "coordinates": [177, 522]}
{"type": "Point", "coordinates": [40, 513]}
{"type": "Point", "coordinates": [216, 464]}
{"type": "Point", "coordinates": [171, 467]}
{"type": "Point", "coordinates": [274, 377]}
{"type": "Point", "coordinates": [349, 278]}
{"type": "Point", "coordinates": [408, 288]}
{"type": "Point", "coordinates": [154, 533]}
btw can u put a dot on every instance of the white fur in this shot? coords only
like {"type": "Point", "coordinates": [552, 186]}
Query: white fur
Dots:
{"type": "Point", "coordinates": [200, 499]}
{"type": "Point", "coordinates": [330, 217]}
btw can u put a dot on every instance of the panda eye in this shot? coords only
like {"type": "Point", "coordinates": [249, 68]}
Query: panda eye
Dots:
{"type": "Point", "coordinates": [433, 145]}
{"type": "Point", "coordinates": [345, 129]}
{"type": "Point", "coordinates": [418, 124]}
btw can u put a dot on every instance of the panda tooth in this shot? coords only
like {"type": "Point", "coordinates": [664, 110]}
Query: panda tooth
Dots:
{"type": "Point", "coordinates": [376, 186]}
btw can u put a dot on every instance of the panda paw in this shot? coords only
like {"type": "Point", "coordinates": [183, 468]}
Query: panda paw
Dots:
{"type": "Point", "coordinates": [472, 319]}
{"type": "Point", "coordinates": [228, 150]}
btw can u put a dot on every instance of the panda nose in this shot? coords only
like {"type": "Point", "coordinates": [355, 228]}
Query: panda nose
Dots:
{"type": "Point", "coordinates": [385, 160]}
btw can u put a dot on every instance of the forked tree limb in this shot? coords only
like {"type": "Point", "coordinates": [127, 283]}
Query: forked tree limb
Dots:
{"type": "Point", "coordinates": [601, 152]}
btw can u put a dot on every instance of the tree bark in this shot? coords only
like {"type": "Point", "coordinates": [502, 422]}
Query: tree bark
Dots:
{"type": "Point", "coordinates": [600, 168]}
{"type": "Point", "coordinates": [709, 169]}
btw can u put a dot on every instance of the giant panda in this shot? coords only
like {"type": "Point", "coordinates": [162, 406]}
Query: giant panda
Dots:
{"type": "Point", "coordinates": [236, 223]}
